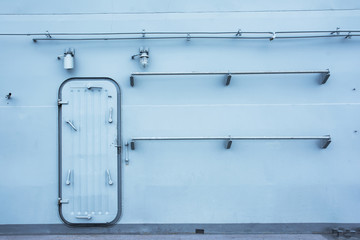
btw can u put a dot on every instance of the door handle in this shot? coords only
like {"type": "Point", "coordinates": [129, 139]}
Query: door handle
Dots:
{"type": "Point", "coordinates": [68, 177]}
{"type": "Point", "coordinates": [88, 217]}
{"type": "Point", "coordinates": [71, 125]}
{"type": "Point", "coordinates": [91, 87]}
{"type": "Point", "coordinates": [110, 115]}
{"type": "Point", "coordinates": [109, 177]}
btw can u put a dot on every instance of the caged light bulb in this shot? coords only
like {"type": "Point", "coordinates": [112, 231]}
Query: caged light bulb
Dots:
{"type": "Point", "coordinates": [68, 61]}
{"type": "Point", "coordinates": [144, 61]}
{"type": "Point", "coordinates": [69, 55]}
{"type": "Point", "coordinates": [143, 56]}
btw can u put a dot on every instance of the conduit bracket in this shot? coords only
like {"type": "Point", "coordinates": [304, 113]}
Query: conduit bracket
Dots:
{"type": "Point", "coordinates": [47, 34]}
{"type": "Point", "coordinates": [273, 36]}
{"type": "Point", "coordinates": [336, 31]}
{"type": "Point", "coordinates": [348, 36]}
{"type": "Point", "coordinates": [188, 37]}
{"type": "Point", "coordinates": [238, 34]}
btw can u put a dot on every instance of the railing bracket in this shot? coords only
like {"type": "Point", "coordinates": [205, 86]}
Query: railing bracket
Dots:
{"type": "Point", "coordinates": [326, 143]}
{"type": "Point", "coordinates": [228, 79]}
{"type": "Point", "coordinates": [229, 142]}
{"type": "Point", "coordinates": [132, 145]}
{"type": "Point", "coordinates": [132, 81]}
{"type": "Point", "coordinates": [325, 77]}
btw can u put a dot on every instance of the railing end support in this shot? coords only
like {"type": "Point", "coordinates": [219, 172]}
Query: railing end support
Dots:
{"type": "Point", "coordinates": [325, 77]}
{"type": "Point", "coordinates": [229, 143]}
{"type": "Point", "coordinates": [228, 79]}
{"type": "Point", "coordinates": [132, 81]}
{"type": "Point", "coordinates": [326, 143]}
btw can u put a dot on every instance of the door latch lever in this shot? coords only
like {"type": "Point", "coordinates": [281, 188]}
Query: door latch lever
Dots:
{"type": "Point", "coordinates": [109, 177]}
{"type": "Point", "coordinates": [110, 115]}
{"type": "Point", "coordinates": [71, 125]}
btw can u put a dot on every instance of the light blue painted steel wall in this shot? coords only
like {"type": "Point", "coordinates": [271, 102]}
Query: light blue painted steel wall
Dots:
{"type": "Point", "coordinates": [191, 182]}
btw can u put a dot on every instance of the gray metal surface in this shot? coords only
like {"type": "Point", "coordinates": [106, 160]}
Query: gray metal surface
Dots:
{"type": "Point", "coordinates": [250, 228]}
{"type": "Point", "coordinates": [177, 237]}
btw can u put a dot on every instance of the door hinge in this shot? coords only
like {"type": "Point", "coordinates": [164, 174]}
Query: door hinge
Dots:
{"type": "Point", "coordinates": [63, 201]}
{"type": "Point", "coordinates": [118, 148]}
{"type": "Point", "coordinates": [60, 102]}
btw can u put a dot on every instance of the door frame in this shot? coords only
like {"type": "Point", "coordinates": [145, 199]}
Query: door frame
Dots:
{"type": "Point", "coordinates": [119, 152]}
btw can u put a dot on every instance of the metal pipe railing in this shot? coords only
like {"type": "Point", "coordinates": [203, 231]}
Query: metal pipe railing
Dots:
{"type": "Point", "coordinates": [326, 140]}
{"type": "Point", "coordinates": [142, 33]}
{"type": "Point", "coordinates": [325, 74]}
{"type": "Point", "coordinates": [270, 35]}
{"type": "Point", "coordinates": [196, 37]}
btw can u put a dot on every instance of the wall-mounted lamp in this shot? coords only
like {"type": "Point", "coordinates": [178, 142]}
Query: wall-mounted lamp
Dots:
{"type": "Point", "coordinates": [143, 56]}
{"type": "Point", "coordinates": [69, 55]}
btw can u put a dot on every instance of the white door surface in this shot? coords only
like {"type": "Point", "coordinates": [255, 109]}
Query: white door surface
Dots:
{"type": "Point", "coordinates": [89, 153]}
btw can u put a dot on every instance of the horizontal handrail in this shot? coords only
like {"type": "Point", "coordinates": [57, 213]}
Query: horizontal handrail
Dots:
{"type": "Point", "coordinates": [326, 140]}
{"type": "Point", "coordinates": [325, 74]}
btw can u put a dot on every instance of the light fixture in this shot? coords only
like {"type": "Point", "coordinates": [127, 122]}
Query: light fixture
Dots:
{"type": "Point", "coordinates": [69, 55]}
{"type": "Point", "coordinates": [143, 56]}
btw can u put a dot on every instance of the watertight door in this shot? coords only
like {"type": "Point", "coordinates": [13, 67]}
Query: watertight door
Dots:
{"type": "Point", "coordinates": [89, 153]}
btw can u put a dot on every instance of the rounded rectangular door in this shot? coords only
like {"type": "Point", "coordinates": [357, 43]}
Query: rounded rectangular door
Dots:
{"type": "Point", "coordinates": [89, 152]}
